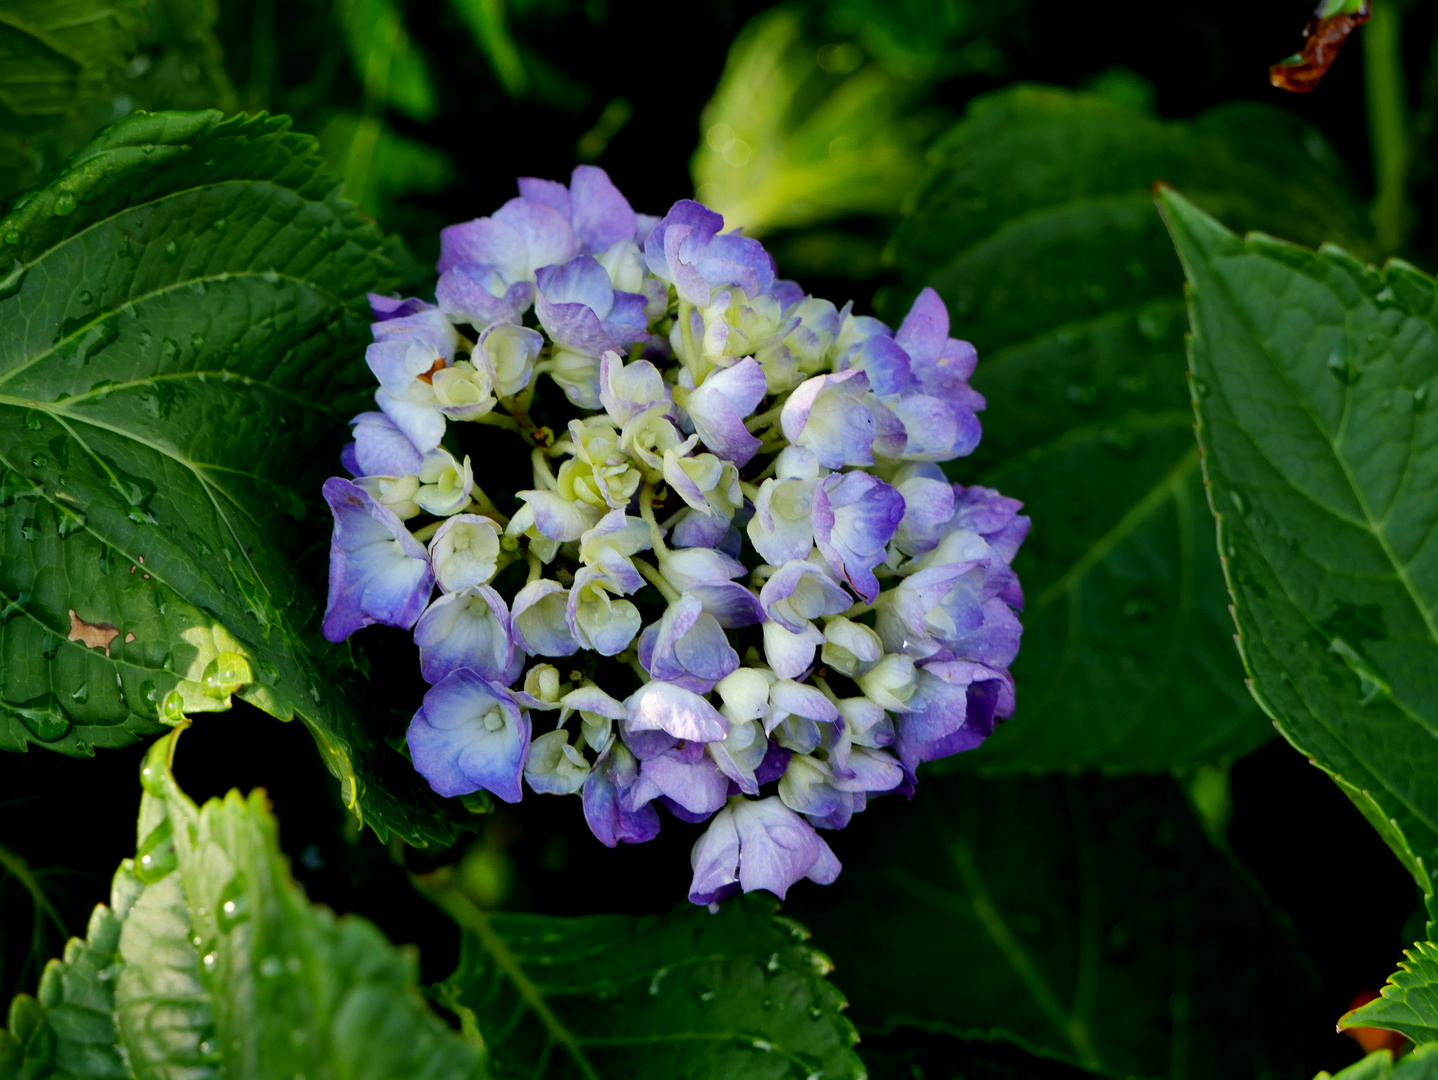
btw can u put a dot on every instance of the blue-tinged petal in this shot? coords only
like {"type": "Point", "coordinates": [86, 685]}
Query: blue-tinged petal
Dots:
{"type": "Point", "coordinates": [381, 448]}
{"type": "Point", "coordinates": [829, 416]}
{"type": "Point", "coordinates": [546, 234]}
{"type": "Point", "coordinates": [465, 629]}
{"type": "Point", "coordinates": [378, 572]}
{"type": "Point", "coordinates": [719, 406]}
{"type": "Point", "coordinates": [758, 844]}
{"type": "Point", "coordinates": [614, 773]}
{"type": "Point", "coordinates": [538, 620]}
{"type": "Point", "coordinates": [487, 242]}
{"type": "Point", "coordinates": [468, 735]}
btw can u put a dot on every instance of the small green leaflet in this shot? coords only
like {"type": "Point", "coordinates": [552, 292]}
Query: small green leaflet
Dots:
{"type": "Point", "coordinates": [1410, 1000]}
{"type": "Point", "coordinates": [184, 314]}
{"type": "Point", "coordinates": [1037, 227]}
{"type": "Point", "coordinates": [1082, 918]}
{"type": "Point", "coordinates": [210, 962]}
{"type": "Point", "coordinates": [686, 995]}
{"type": "Point", "coordinates": [1312, 379]}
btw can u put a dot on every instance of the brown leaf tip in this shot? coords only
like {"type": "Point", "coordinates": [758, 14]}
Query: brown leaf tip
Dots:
{"type": "Point", "coordinates": [1322, 38]}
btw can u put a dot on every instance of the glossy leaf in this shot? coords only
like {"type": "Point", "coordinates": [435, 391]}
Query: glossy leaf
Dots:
{"type": "Point", "coordinates": [184, 313]}
{"type": "Point", "coordinates": [1037, 228]}
{"type": "Point", "coordinates": [1312, 379]}
{"type": "Point", "coordinates": [690, 994]}
{"type": "Point", "coordinates": [210, 962]}
{"type": "Point", "coordinates": [1085, 919]}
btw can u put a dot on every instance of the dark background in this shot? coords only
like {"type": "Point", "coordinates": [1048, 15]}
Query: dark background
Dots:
{"type": "Point", "coordinates": [1292, 828]}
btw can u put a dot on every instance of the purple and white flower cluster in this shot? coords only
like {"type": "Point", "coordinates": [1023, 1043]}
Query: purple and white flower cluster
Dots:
{"type": "Point", "coordinates": [739, 505]}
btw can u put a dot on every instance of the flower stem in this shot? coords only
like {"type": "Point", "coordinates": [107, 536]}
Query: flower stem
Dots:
{"type": "Point", "coordinates": [1387, 124]}
{"type": "Point", "coordinates": [543, 478]}
{"type": "Point", "coordinates": [655, 578]}
{"type": "Point", "coordinates": [656, 534]}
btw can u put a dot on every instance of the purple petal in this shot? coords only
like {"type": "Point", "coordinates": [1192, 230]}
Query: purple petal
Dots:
{"type": "Point", "coordinates": [697, 786]}
{"type": "Point", "coordinates": [601, 215]}
{"type": "Point", "coordinates": [855, 517]}
{"type": "Point", "coordinates": [381, 448]}
{"type": "Point", "coordinates": [379, 573]}
{"type": "Point", "coordinates": [550, 193]}
{"type": "Point", "coordinates": [464, 296]}
{"type": "Point", "coordinates": [484, 241]}
{"type": "Point", "coordinates": [925, 328]}
{"type": "Point", "coordinates": [545, 233]}
{"type": "Point", "coordinates": [394, 307]}
{"type": "Point", "coordinates": [719, 407]}
{"type": "Point", "coordinates": [614, 773]}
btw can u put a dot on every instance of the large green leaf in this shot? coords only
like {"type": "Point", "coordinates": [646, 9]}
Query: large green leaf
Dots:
{"type": "Point", "coordinates": [183, 310]}
{"type": "Point", "coordinates": [687, 995]}
{"type": "Point", "coordinates": [1086, 919]}
{"type": "Point", "coordinates": [1038, 228]}
{"type": "Point", "coordinates": [1312, 379]}
{"type": "Point", "coordinates": [210, 962]}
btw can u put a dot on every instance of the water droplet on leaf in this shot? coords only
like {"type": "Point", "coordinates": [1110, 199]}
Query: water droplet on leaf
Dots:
{"type": "Point", "coordinates": [64, 204]}
{"type": "Point", "coordinates": [172, 709]}
{"type": "Point", "coordinates": [171, 250]}
{"type": "Point", "coordinates": [234, 904]}
{"type": "Point", "coordinates": [156, 855]}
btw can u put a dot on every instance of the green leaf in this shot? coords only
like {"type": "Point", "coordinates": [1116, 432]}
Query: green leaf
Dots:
{"type": "Point", "coordinates": [1037, 228]}
{"type": "Point", "coordinates": [707, 997]}
{"type": "Point", "coordinates": [56, 56]}
{"type": "Point", "coordinates": [392, 69]}
{"type": "Point", "coordinates": [1410, 1000]}
{"type": "Point", "coordinates": [1312, 378]}
{"type": "Point", "coordinates": [1380, 1065]}
{"type": "Point", "coordinates": [486, 21]}
{"type": "Point", "coordinates": [184, 311]}
{"type": "Point", "coordinates": [1086, 919]}
{"type": "Point", "coordinates": [68, 1029]}
{"type": "Point", "coordinates": [210, 962]}
{"type": "Point", "coordinates": [788, 143]}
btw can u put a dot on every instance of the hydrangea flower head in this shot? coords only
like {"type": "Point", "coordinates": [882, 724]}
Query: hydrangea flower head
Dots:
{"type": "Point", "coordinates": [672, 535]}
